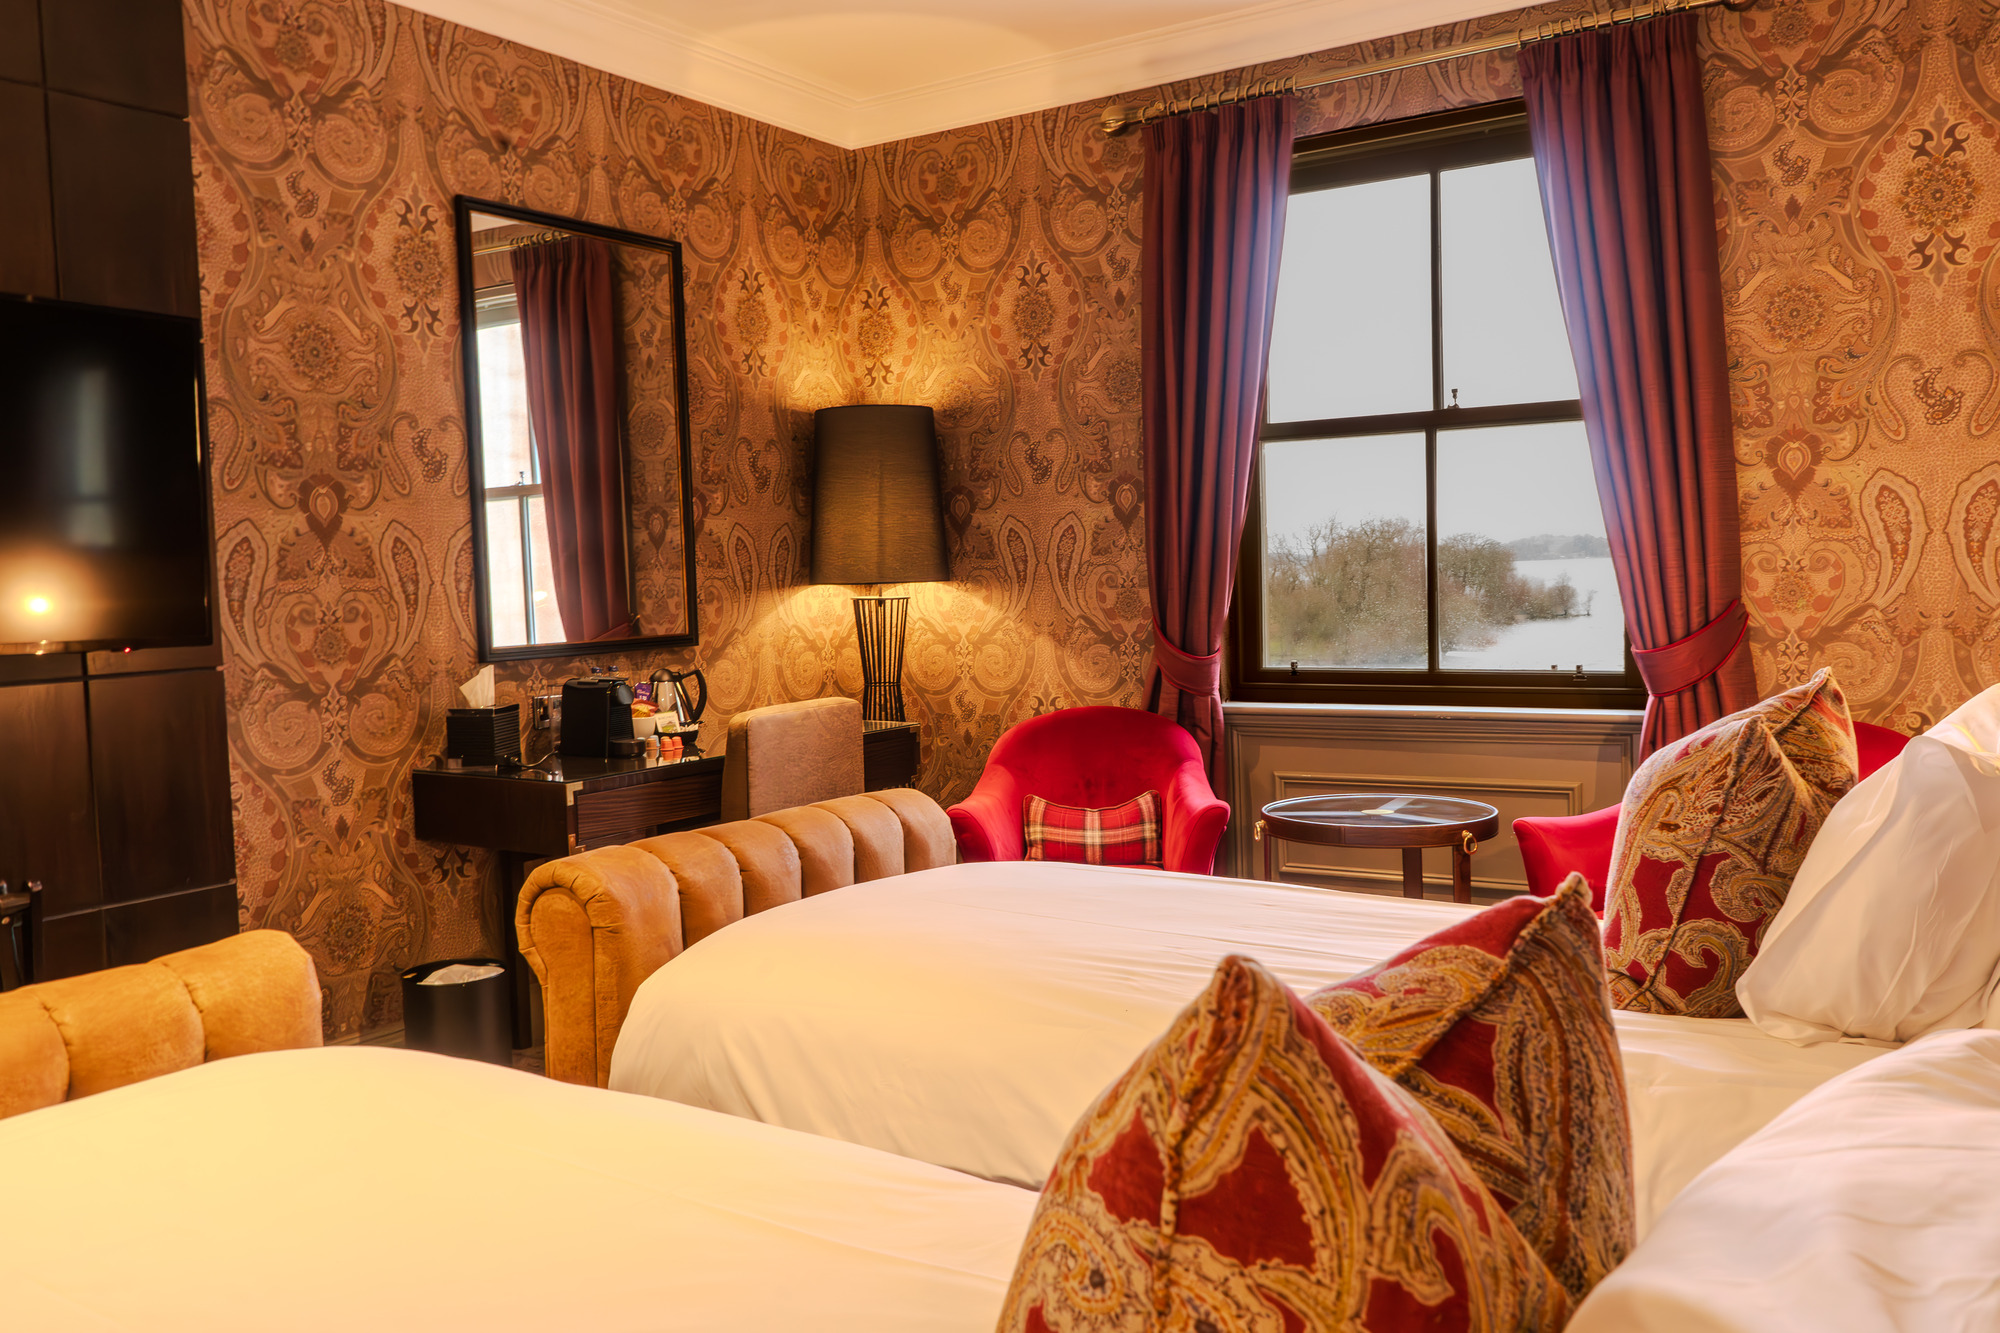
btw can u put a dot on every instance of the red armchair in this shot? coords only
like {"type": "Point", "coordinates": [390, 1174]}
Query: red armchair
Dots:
{"type": "Point", "coordinates": [1093, 757]}
{"type": "Point", "coordinates": [1552, 847]}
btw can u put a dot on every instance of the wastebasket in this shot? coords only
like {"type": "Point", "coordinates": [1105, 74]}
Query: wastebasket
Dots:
{"type": "Point", "coordinates": [469, 1018]}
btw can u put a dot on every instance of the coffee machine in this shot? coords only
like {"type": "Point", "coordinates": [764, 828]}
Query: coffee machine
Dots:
{"type": "Point", "coordinates": [597, 717]}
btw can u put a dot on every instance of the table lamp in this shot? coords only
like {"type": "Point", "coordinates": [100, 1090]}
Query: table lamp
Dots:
{"type": "Point", "coordinates": [878, 517]}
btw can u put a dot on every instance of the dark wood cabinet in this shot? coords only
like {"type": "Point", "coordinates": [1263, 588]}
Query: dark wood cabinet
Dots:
{"type": "Point", "coordinates": [122, 182]}
{"type": "Point", "coordinates": [20, 41]}
{"type": "Point", "coordinates": [123, 51]}
{"type": "Point", "coordinates": [114, 793]}
{"type": "Point", "coordinates": [115, 797]}
{"type": "Point", "coordinates": [50, 831]}
{"type": "Point", "coordinates": [27, 229]}
{"type": "Point", "coordinates": [135, 932]}
{"type": "Point", "coordinates": [67, 945]}
{"type": "Point", "coordinates": [160, 769]}
{"type": "Point", "coordinates": [96, 173]}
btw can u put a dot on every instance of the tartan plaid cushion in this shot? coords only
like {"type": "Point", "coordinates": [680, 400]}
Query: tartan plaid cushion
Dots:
{"type": "Point", "coordinates": [1118, 835]}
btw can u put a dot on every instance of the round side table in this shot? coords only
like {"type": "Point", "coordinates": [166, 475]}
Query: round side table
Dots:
{"type": "Point", "coordinates": [1376, 819]}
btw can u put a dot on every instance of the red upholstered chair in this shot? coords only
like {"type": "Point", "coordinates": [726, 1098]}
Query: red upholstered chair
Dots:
{"type": "Point", "coordinates": [1552, 847]}
{"type": "Point", "coordinates": [1093, 757]}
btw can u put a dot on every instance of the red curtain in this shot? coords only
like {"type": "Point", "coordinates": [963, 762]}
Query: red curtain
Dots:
{"type": "Point", "coordinates": [1621, 144]}
{"type": "Point", "coordinates": [1215, 185]}
{"type": "Point", "coordinates": [569, 334]}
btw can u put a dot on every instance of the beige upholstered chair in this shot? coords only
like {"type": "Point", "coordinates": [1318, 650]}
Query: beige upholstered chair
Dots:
{"type": "Point", "coordinates": [62, 1039]}
{"type": "Point", "coordinates": [791, 754]}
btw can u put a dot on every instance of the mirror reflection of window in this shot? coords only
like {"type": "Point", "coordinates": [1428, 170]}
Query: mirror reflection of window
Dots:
{"type": "Point", "coordinates": [519, 579]}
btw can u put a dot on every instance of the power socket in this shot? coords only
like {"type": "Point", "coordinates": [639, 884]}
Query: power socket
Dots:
{"type": "Point", "coordinates": [547, 711]}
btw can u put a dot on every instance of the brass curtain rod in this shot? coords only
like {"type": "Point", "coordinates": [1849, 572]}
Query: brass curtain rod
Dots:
{"type": "Point", "coordinates": [516, 242]}
{"type": "Point", "coordinates": [1120, 118]}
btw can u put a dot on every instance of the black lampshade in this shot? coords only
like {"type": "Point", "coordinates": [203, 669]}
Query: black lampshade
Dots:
{"type": "Point", "coordinates": [878, 516]}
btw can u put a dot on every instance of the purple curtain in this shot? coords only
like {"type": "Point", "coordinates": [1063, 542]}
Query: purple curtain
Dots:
{"type": "Point", "coordinates": [569, 334]}
{"type": "Point", "coordinates": [1621, 144]}
{"type": "Point", "coordinates": [1216, 185]}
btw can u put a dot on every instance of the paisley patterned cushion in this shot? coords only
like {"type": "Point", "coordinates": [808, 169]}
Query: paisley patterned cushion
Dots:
{"type": "Point", "coordinates": [1500, 1026]}
{"type": "Point", "coordinates": [1251, 1172]}
{"type": "Point", "coordinates": [1712, 830]}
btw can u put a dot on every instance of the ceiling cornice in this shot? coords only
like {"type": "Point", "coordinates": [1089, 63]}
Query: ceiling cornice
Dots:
{"type": "Point", "coordinates": [621, 38]}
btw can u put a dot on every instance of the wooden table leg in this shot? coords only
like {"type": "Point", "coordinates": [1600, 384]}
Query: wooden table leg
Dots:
{"type": "Point", "coordinates": [1413, 872]}
{"type": "Point", "coordinates": [1268, 840]}
{"type": "Point", "coordinates": [1461, 874]}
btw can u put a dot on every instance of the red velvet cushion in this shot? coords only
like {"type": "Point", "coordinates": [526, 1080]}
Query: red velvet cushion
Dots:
{"type": "Point", "coordinates": [1118, 835]}
{"type": "Point", "coordinates": [1500, 1026]}
{"type": "Point", "coordinates": [1712, 830]}
{"type": "Point", "coordinates": [1251, 1172]}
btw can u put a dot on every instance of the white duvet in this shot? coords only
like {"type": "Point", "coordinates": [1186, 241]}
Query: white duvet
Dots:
{"type": "Point", "coordinates": [967, 1015]}
{"type": "Point", "coordinates": [358, 1188]}
{"type": "Point", "coordinates": [1870, 1206]}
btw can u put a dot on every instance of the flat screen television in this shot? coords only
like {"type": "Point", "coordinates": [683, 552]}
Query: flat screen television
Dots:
{"type": "Point", "coordinates": [104, 516]}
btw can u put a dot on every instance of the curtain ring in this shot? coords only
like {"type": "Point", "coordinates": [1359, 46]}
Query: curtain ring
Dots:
{"type": "Point", "coordinates": [1467, 841]}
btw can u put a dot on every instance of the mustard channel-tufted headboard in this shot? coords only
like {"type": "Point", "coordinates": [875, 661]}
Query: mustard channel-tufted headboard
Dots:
{"type": "Point", "coordinates": [595, 925]}
{"type": "Point", "coordinates": [64, 1039]}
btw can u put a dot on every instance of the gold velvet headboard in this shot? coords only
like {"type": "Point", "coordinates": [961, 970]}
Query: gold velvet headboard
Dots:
{"type": "Point", "coordinates": [595, 925]}
{"type": "Point", "coordinates": [69, 1038]}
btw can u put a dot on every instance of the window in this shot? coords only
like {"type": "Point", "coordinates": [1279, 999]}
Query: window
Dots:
{"type": "Point", "coordinates": [1424, 525]}
{"type": "Point", "coordinates": [521, 589]}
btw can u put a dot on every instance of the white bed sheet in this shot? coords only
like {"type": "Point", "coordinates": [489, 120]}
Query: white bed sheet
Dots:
{"type": "Point", "coordinates": [967, 1015]}
{"type": "Point", "coordinates": [358, 1188]}
{"type": "Point", "coordinates": [1870, 1206]}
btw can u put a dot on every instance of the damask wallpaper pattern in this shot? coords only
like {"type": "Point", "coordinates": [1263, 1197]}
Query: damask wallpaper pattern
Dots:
{"type": "Point", "coordinates": [991, 272]}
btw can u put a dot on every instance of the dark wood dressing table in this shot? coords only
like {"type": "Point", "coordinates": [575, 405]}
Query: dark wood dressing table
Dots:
{"type": "Point", "coordinates": [568, 804]}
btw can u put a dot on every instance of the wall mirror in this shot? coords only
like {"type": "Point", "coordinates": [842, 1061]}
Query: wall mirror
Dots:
{"type": "Point", "coordinates": [576, 416]}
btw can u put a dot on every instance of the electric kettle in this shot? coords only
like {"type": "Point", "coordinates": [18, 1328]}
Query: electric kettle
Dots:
{"type": "Point", "coordinates": [670, 697]}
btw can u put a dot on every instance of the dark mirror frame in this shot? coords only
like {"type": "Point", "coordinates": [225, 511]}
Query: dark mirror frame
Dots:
{"type": "Point", "coordinates": [463, 207]}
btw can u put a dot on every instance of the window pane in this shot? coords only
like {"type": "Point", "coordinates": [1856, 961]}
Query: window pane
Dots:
{"type": "Point", "coordinates": [1503, 326]}
{"type": "Point", "coordinates": [503, 407]}
{"type": "Point", "coordinates": [548, 619]}
{"type": "Point", "coordinates": [1352, 332]}
{"type": "Point", "coordinates": [507, 611]}
{"type": "Point", "coordinates": [1524, 575]}
{"type": "Point", "coordinates": [1344, 553]}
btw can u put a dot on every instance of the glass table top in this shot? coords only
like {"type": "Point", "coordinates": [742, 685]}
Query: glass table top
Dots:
{"type": "Point", "coordinates": [1380, 810]}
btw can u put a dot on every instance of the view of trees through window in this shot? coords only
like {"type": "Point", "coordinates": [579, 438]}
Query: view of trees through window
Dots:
{"type": "Point", "coordinates": [1355, 595]}
{"type": "Point", "coordinates": [1426, 502]}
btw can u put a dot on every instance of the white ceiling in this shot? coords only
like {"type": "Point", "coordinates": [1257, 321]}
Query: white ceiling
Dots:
{"type": "Point", "coordinates": [853, 73]}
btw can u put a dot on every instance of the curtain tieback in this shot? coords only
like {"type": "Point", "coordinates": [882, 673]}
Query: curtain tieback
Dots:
{"type": "Point", "coordinates": [1686, 663]}
{"type": "Point", "coordinates": [1184, 671]}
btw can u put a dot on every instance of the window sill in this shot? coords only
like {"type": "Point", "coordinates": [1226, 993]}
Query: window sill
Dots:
{"type": "Point", "coordinates": [1234, 710]}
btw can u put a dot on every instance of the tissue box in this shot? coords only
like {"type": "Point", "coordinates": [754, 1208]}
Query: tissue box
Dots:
{"type": "Point", "coordinates": [483, 735]}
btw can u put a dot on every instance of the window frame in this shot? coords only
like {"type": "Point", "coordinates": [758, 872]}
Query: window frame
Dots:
{"type": "Point", "coordinates": [1428, 145]}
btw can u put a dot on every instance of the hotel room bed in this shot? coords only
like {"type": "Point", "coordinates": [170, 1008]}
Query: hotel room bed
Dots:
{"type": "Point", "coordinates": [966, 1015]}
{"type": "Point", "coordinates": [362, 1188]}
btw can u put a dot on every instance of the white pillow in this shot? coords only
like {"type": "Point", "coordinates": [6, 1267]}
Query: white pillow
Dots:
{"type": "Point", "coordinates": [1892, 926]}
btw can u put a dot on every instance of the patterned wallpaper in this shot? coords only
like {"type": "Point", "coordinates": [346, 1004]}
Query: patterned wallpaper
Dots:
{"type": "Point", "coordinates": [1857, 170]}
{"type": "Point", "coordinates": [991, 272]}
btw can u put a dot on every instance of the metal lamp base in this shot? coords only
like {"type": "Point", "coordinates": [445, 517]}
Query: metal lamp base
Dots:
{"type": "Point", "coordinates": [880, 623]}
